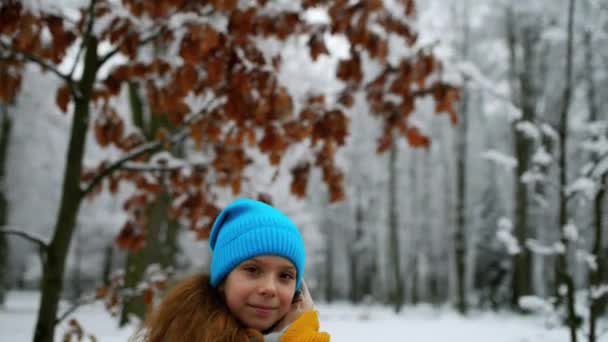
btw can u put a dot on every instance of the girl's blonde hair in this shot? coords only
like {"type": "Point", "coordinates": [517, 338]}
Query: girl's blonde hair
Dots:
{"type": "Point", "coordinates": [194, 311]}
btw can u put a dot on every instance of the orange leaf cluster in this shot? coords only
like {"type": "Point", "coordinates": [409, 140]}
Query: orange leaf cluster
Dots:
{"type": "Point", "coordinates": [331, 126]}
{"type": "Point", "coordinates": [250, 108]}
{"type": "Point", "coordinates": [198, 43]}
{"type": "Point", "coordinates": [331, 175]}
{"type": "Point", "coordinates": [109, 128]}
{"type": "Point", "coordinates": [229, 164]}
{"type": "Point", "coordinates": [62, 39]}
{"type": "Point", "coordinates": [398, 27]}
{"type": "Point", "coordinates": [274, 144]}
{"type": "Point", "coordinates": [445, 98]}
{"type": "Point", "coordinates": [63, 98]}
{"type": "Point", "coordinates": [25, 32]}
{"type": "Point", "coordinates": [76, 333]}
{"type": "Point", "coordinates": [154, 9]}
{"type": "Point", "coordinates": [10, 80]}
{"type": "Point", "coordinates": [10, 16]}
{"type": "Point", "coordinates": [167, 101]}
{"type": "Point", "coordinates": [279, 26]}
{"type": "Point", "coordinates": [241, 24]}
{"type": "Point", "coordinates": [416, 139]}
{"type": "Point", "coordinates": [130, 238]}
{"type": "Point", "coordinates": [299, 181]}
{"type": "Point", "coordinates": [317, 46]}
{"type": "Point", "coordinates": [131, 141]}
{"type": "Point", "coordinates": [114, 295]}
{"type": "Point", "coordinates": [350, 70]}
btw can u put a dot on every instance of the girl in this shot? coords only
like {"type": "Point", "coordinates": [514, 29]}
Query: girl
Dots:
{"type": "Point", "coordinates": [254, 286]}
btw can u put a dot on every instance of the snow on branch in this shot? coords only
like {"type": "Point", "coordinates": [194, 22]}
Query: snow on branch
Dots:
{"type": "Point", "coordinates": [36, 239]}
{"type": "Point", "coordinates": [500, 158]}
{"type": "Point", "coordinates": [538, 248]}
{"type": "Point", "coordinates": [570, 232]}
{"type": "Point", "coordinates": [38, 61]}
{"type": "Point", "coordinates": [150, 147]}
{"type": "Point", "coordinates": [470, 72]}
{"type": "Point", "coordinates": [142, 42]}
{"type": "Point", "coordinates": [84, 300]}
{"type": "Point", "coordinates": [599, 291]}
{"type": "Point", "coordinates": [541, 156]}
{"type": "Point", "coordinates": [505, 235]}
{"type": "Point", "coordinates": [535, 304]}
{"type": "Point", "coordinates": [529, 129]}
{"type": "Point", "coordinates": [586, 186]}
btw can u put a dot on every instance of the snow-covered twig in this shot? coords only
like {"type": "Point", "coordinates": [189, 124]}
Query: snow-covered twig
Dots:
{"type": "Point", "coordinates": [110, 54]}
{"type": "Point", "coordinates": [141, 167]}
{"type": "Point", "coordinates": [145, 148]}
{"type": "Point", "coordinates": [141, 150]}
{"type": "Point", "coordinates": [473, 77]}
{"type": "Point", "coordinates": [38, 61]}
{"type": "Point", "coordinates": [39, 241]}
{"type": "Point", "coordinates": [84, 37]}
{"type": "Point", "coordinates": [80, 302]}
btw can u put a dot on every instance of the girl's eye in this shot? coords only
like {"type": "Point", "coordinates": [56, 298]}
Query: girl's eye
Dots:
{"type": "Point", "coordinates": [250, 269]}
{"type": "Point", "coordinates": [287, 276]}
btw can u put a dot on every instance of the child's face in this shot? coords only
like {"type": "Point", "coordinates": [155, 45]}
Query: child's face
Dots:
{"type": "Point", "coordinates": [260, 290]}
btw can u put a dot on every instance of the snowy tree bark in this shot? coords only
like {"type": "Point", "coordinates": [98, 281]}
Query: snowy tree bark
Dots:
{"type": "Point", "coordinates": [460, 235]}
{"type": "Point", "coordinates": [355, 250]}
{"type": "Point", "coordinates": [71, 198]}
{"type": "Point", "coordinates": [563, 268]}
{"type": "Point", "coordinates": [106, 269]}
{"type": "Point", "coordinates": [5, 130]}
{"type": "Point", "coordinates": [393, 222]}
{"type": "Point", "coordinates": [161, 238]}
{"type": "Point", "coordinates": [328, 278]}
{"type": "Point", "coordinates": [415, 219]}
{"type": "Point", "coordinates": [596, 305]}
{"type": "Point", "coordinates": [138, 262]}
{"type": "Point", "coordinates": [523, 94]}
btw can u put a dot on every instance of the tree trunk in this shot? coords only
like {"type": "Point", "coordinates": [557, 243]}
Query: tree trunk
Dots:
{"type": "Point", "coordinates": [415, 281]}
{"type": "Point", "coordinates": [597, 306]}
{"type": "Point", "coordinates": [563, 270]}
{"type": "Point", "coordinates": [460, 235]}
{"type": "Point", "coordinates": [524, 94]}
{"type": "Point", "coordinates": [71, 198]}
{"type": "Point", "coordinates": [460, 242]}
{"type": "Point", "coordinates": [138, 262]}
{"type": "Point", "coordinates": [329, 264]}
{"type": "Point", "coordinates": [393, 221]}
{"type": "Point", "coordinates": [161, 239]}
{"type": "Point", "coordinates": [6, 125]}
{"type": "Point", "coordinates": [355, 284]}
{"type": "Point", "coordinates": [106, 272]}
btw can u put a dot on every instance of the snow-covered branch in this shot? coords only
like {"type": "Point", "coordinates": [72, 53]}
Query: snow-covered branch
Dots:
{"type": "Point", "coordinates": [38, 240]}
{"type": "Point", "coordinates": [38, 61]}
{"type": "Point", "coordinates": [147, 167]}
{"type": "Point", "coordinates": [85, 36]}
{"type": "Point", "coordinates": [111, 54]}
{"type": "Point", "coordinates": [80, 302]}
{"type": "Point", "coordinates": [150, 147]}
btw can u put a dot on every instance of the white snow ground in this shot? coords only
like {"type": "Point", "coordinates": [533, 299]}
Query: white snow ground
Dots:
{"type": "Point", "coordinates": [344, 322]}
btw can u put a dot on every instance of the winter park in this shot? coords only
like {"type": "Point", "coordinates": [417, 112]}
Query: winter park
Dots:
{"type": "Point", "coordinates": [303, 170]}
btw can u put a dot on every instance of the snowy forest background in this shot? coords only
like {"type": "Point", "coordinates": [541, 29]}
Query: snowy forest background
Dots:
{"type": "Point", "coordinates": [481, 219]}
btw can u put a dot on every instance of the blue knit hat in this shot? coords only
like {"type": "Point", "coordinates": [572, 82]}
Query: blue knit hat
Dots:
{"type": "Point", "coordinates": [248, 228]}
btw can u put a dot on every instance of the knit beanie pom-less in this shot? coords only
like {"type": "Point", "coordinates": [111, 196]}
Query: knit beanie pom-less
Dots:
{"type": "Point", "coordinates": [248, 228]}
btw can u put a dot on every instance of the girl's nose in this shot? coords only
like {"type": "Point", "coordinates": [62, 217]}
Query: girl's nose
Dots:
{"type": "Point", "coordinates": [267, 286]}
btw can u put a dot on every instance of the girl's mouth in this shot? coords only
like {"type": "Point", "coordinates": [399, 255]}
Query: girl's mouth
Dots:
{"type": "Point", "coordinates": [262, 310]}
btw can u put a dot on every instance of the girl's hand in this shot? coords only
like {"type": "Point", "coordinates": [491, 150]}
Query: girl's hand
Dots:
{"type": "Point", "coordinates": [300, 305]}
